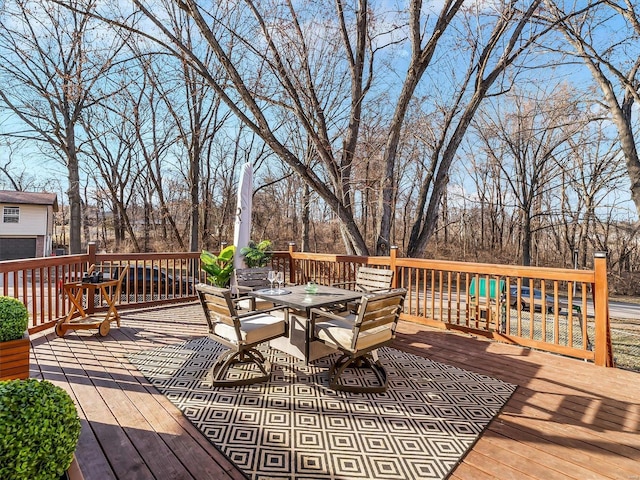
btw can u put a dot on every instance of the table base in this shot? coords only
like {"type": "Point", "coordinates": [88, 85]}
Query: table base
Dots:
{"type": "Point", "coordinates": [295, 345]}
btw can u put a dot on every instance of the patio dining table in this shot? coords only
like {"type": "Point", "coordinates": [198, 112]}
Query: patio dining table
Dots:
{"type": "Point", "coordinates": [300, 302]}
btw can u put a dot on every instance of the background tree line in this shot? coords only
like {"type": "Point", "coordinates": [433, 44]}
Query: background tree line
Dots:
{"type": "Point", "coordinates": [497, 131]}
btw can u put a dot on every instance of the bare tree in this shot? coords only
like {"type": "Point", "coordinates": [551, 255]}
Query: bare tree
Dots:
{"type": "Point", "coordinates": [491, 222]}
{"type": "Point", "coordinates": [291, 64]}
{"type": "Point", "coordinates": [299, 64]}
{"type": "Point", "coordinates": [490, 55]}
{"type": "Point", "coordinates": [52, 70]}
{"type": "Point", "coordinates": [594, 171]}
{"type": "Point", "coordinates": [18, 178]}
{"type": "Point", "coordinates": [605, 38]}
{"type": "Point", "coordinates": [193, 108]}
{"type": "Point", "coordinates": [523, 140]}
{"type": "Point", "coordinates": [112, 160]}
{"type": "Point", "coordinates": [291, 73]}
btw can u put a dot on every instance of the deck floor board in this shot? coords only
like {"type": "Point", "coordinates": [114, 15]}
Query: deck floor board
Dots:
{"type": "Point", "coordinates": [568, 418]}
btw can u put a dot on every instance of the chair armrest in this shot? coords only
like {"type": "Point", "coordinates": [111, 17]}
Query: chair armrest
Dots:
{"type": "Point", "coordinates": [375, 290]}
{"type": "Point", "coordinates": [313, 313]}
{"type": "Point", "coordinates": [323, 313]}
{"type": "Point", "coordinates": [243, 297]}
{"type": "Point", "coordinates": [204, 287]}
{"type": "Point", "coordinates": [241, 289]}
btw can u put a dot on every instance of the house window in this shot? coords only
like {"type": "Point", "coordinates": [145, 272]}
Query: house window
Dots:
{"type": "Point", "coordinates": [11, 215]}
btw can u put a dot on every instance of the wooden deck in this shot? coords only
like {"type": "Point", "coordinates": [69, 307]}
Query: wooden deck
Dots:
{"type": "Point", "coordinates": [567, 420]}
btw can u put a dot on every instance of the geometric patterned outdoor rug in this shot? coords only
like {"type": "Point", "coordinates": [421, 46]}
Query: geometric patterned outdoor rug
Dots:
{"type": "Point", "coordinates": [296, 428]}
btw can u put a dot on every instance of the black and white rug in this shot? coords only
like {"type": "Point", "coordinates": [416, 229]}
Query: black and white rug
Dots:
{"type": "Point", "coordinates": [296, 428]}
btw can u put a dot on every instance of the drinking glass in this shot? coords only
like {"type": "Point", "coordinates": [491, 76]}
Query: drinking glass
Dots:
{"type": "Point", "coordinates": [271, 276]}
{"type": "Point", "coordinates": [280, 279]}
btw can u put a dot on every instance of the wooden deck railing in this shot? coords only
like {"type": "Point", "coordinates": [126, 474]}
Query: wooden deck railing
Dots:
{"type": "Point", "coordinates": [569, 315]}
{"type": "Point", "coordinates": [557, 310]}
{"type": "Point", "coordinates": [37, 282]}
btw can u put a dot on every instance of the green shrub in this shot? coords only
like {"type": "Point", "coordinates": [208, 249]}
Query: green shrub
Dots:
{"type": "Point", "coordinates": [14, 318]}
{"type": "Point", "coordinates": [256, 255]}
{"type": "Point", "coordinates": [39, 430]}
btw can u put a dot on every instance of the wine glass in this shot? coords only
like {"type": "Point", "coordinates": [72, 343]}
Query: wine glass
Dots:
{"type": "Point", "coordinates": [271, 276]}
{"type": "Point", "coordinates": [280, 279]}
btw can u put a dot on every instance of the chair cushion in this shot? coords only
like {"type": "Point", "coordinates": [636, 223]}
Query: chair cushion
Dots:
{"type": "Point", "coordinates": [254, 329]}
{"type": "Point", "coordinates": [339, 332]}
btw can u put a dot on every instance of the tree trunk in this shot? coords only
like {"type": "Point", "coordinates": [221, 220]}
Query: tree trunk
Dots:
{"type": "Point", "coordinates": [526, 239]}
{"type": "Point", "coordinates": [75, 209]}
{"type": "Point", "coordinates": [147, 227]}
{"type": "Point", "coordinates": [306, 196]}
{"type": "Point", "coordinates": [194, 181]}
{"type": "Point", "coordinates": [85, 222]}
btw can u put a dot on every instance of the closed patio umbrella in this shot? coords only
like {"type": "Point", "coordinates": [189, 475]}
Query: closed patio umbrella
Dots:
{"type": "Point", "coordinates": [242, 228]}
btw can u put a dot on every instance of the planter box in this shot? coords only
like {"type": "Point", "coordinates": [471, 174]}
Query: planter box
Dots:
{"type": "Point", "coordinates": [14, 359]}
{"type": "Point", "coordinates": [74, 472]}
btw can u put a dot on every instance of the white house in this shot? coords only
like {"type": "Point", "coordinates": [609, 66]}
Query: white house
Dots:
{"type": "Point", "coordinates": [26, 226]}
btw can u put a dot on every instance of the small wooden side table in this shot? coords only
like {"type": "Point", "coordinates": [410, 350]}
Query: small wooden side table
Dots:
{"type": "Point", "coordinates": [78, 318]}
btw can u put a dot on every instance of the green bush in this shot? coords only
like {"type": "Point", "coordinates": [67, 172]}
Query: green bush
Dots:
{"type": "Point", "coordinates": [14, 318]}
{"type": "Point", "coordinates": [39, 430]}
{"type": "Point", "coordinates": [256, 255]}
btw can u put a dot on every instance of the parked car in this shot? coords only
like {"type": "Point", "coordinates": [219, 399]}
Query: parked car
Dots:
{"type": "Point", "coordinates": [146, 279]}
{"type": "Point", "coordinates": [525, 299]}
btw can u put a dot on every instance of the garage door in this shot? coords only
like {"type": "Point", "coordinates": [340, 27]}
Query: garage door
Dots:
{"type": "Point", "coordinates": [16, 248]}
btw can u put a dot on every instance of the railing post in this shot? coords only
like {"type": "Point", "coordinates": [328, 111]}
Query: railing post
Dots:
{"type": "Point", "coordinates": [393, 255]}
{"type": "Point", "coordinates": [91, 252]}
{"type": "Point", "coordinates": [292, 266]}
{"type": "Point", "coordinates": [603, 352]}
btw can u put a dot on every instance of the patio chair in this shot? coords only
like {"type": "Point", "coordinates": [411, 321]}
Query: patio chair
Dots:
{"type": "Point", "coordinates": [241, 333]}
{"type": "Point", "coordinates": [486, 300]}
{"type": "Point", "coordinates": [359, 336]}
{"type": "Point", "coordinates": [369, 279]}
{"type": "Point", "coordinates": [248, 279]}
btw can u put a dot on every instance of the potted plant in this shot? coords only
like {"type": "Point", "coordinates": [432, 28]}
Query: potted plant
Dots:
{"type": "Point", "coordinates": [39, 430]}
{"type": "Point", "coordinates": [14, 339]}
{"type": "Point", "coordinates": [256, 255]}
{"type": "Point", "coordinates": [218, 267]}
